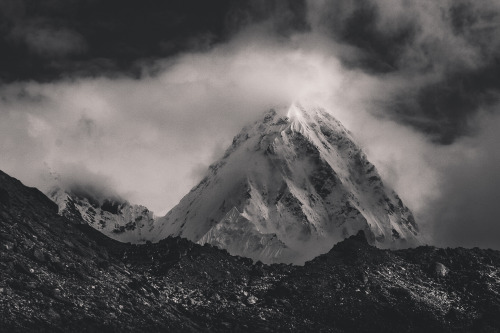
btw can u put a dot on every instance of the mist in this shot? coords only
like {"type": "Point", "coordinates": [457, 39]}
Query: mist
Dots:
{"type": "Point", "coordinates": [412, 82]}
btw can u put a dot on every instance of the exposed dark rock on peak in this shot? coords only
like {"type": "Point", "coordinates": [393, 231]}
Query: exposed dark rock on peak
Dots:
{"type": "Point", "coordinates": [111, 206]}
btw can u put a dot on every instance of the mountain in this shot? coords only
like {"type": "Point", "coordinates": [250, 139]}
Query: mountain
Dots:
{"type": "Point", "coordinates": [58, 275]}
{"type": "Point", "coordinates": [290, 187]}
{"type": "Point", "coordinates": [114, 217]}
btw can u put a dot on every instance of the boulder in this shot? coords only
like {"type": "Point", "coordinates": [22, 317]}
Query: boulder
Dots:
{"type": "Point", "coordinates": [251, 300]}
{"type": "Point", "coordinates": [440, 270]}
{"type": "Point", "coordinates": [39, 255]}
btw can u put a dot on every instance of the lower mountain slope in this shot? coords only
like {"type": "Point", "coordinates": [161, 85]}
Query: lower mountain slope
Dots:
{"type": "Point", "coordinates": [57, 275]}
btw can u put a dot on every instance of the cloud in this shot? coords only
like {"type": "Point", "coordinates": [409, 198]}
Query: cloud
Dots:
{"type": "Point", "coordinates": [150, 136]}
{"type": "Point", "coordinates": [98, 38]}
{"type": "Point", "coordinates": [466, 210]}
{"type": "Point", "coordinates": [446, 51]}
{"type": "Point", "coordinates": [77, 179]}
{"type": "Point", "coordinates": [155, 137]}
{"type": "Point", "coordinates": [414, 82]}
{"type": "Point", "coordinates": [51, 42]}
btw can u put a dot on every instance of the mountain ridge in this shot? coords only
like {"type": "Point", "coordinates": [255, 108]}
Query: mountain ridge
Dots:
{"type": "Point", "coordinates": [58, 276]}
{"type": "Point", "coordinates": [114, 217]}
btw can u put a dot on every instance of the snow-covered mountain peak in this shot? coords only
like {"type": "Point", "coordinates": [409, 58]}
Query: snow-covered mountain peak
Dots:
{"type": "Point", "coordinates": [288, 188]}
{"type": "Point", "coordinates": [114, 217]}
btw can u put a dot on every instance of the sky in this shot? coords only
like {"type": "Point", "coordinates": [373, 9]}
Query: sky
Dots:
{"type": "Point", "coordinates": [136, 99]}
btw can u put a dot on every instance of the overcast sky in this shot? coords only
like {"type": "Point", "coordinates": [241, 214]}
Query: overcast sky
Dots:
{"type": "Point", "coordinates": [137, 98]}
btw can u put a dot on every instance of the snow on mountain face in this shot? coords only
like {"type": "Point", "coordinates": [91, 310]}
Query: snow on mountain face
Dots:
{"type": "Point", "coordinates": [116, 219]}
{"type": "Point", "coordinates": [288, 189]}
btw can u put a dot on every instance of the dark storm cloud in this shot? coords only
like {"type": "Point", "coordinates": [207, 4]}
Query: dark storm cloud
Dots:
{"type": "Point", "coordinates": [49, 42]}
{"type": "Point", "coordinates": [44, 40]}
{"type": "Point", "coordinates": [455, 43]}
{"type": "Point", "coordinates": [358, 23]}
{"type": "Point", "coordinates": [284, 16]}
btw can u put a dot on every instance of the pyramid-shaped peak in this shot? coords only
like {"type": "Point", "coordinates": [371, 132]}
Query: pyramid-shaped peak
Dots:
{"type": "Point", "coordinates": [291, 186]}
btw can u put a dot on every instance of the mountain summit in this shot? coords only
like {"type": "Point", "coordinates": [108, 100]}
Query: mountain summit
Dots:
{"type": "Point", "coordinates": [290, 187]}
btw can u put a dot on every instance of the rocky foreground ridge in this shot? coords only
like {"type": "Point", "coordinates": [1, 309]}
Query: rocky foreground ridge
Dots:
{"type": "Point", "coordinates": [56, 275]}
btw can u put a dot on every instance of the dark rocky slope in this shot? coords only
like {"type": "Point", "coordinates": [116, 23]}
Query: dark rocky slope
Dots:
{"type": "Point", "coordinates": [59, 276]}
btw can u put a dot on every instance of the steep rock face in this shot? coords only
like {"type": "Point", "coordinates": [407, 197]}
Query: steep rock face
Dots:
{"type": "Point", "coordinates": [117, 219]}
{"type": "Point", "coordinates": [288, 189]}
